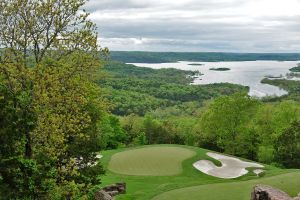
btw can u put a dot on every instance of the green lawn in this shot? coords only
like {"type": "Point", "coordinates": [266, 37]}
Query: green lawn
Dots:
{"type": "Point", "coordinates": [290, 183]}
{"type": "Point", "coordinates": [148, 186]}
{"type": "Point", "coordinates": [151, 161]}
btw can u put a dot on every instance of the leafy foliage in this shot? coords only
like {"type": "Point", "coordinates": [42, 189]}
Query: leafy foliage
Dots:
{"type": "Point", "coordinates": [246, 127]}
{"type": "Point", "coordinates": [224, 124]}
{"type": "Point", "coordinates": [287, 146]}
{"type": "Point", "coordinates": [136, 90]}
{"type": "Point", "coordinates": [50, 111]}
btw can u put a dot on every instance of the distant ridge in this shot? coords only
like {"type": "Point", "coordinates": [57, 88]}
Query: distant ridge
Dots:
{"type": "Point", "coordinates": [165, 57]}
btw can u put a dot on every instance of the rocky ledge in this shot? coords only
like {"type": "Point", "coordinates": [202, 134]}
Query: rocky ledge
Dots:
{"type": "Point", "coordinates": [264, 192]}
{"type": "Point", "coordinates": [108, 192]}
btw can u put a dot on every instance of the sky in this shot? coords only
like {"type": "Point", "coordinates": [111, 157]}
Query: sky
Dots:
{"type": "Point", "coordinates": [198, 25]}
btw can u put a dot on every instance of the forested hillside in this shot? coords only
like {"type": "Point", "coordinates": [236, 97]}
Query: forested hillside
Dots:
{"type": "Point", "coordinates": [160, 106]}
{"type": "Point", "coordinates": [164, 57]}
{"type": "Point", "coordinates": [135, 90]}
{"type": "Point", "coordinates": [293, 87]}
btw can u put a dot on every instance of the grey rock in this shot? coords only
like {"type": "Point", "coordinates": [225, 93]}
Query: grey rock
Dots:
{"type": "Point", "coordinates": [264, 192]}
{"type": "Point", "coordinates": [102, 195]}
{"type": "Point", "coordinates": [116, 189]}
{"type": "Point", "coordinates": [108, 192]}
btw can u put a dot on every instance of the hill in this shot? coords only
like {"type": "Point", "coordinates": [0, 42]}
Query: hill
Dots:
{"type": "Point", "coordinates": [165, 57]}
{"type": "Point", "coordinates": [138, 90]}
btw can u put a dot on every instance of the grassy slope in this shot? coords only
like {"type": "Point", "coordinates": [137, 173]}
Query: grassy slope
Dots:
{"type": "Point", "coordinates": [147, 187]}
{"type": "Point", "coordinates": [239, 190]}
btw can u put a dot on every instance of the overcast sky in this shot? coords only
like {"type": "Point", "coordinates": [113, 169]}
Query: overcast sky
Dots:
{"type": "Point", "coordinates": [198, 25]}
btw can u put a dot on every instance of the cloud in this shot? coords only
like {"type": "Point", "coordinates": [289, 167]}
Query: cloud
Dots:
{"type": "Point", "coordinates": [96, 5]}
{"type": "Point", "coordinates": [198, 25]}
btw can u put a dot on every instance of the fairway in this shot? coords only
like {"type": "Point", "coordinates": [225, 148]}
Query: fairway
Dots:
{"type": "Point", "coordinates": [150, 161]}
{"type": "Point", "coordinates": [237, 190]}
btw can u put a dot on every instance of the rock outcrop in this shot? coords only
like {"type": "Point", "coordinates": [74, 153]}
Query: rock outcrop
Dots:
{"type": "Point", "coordinates": [102, 195]}
{"type": "Point", "coordinates": [264, 192]}
{"type": "Point", "coordinates": [297, 198]}
{"type": "Point", "coordinates": [108, 192]}
{"type": "Point", "coordinates": [115, 189]}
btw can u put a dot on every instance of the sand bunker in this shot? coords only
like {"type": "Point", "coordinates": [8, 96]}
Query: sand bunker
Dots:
{"type": "Point", "coordinates": [231, 167]}
{"type": "Point", "coordinates": [258, 172]}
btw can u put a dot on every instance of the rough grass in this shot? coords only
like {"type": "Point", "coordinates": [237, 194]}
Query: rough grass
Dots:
{"type": "Point", "coordinates": [238, 190]}
{"type": "Point", "coordinates": [150, 161]}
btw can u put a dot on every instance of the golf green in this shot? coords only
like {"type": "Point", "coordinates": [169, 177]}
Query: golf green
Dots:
{"type": "Point", "coordinates": [166, 172]}
{"type": "Point", "coordinates": [150, 161]}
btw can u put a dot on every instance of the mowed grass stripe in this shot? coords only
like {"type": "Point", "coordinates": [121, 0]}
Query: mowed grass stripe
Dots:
{"type": "Point", "coordinates": [150, 161]}
{"type": "Point", "coordinates": [289, 183]}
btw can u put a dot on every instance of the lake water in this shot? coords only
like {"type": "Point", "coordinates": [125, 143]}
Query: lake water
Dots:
{"type": "Point", "coordinates": [247, 73]}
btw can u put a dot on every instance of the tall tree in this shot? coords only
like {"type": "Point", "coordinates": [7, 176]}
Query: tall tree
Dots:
{"type": "Point", "coordinates": [287, 146]}
{"type": "Point", "coordinates": [224, 124]}
{"type": "Point", "coordinates": [270, 122]}
{"type": "Point", "coordinates": [49, 106]}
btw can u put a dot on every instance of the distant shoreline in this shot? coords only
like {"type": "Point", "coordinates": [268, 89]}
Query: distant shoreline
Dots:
{"type": "Point", "coordinates": [171, 57]}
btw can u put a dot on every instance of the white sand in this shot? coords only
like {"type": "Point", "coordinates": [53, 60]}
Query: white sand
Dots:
{"type": "Point", "coordinates": [231, 167]}
{"type": "Point", "coordinates": [258, 171]}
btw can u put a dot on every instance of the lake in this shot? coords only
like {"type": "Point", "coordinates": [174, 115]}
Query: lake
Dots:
{"type": "Point", "coordinates": [247, 73]}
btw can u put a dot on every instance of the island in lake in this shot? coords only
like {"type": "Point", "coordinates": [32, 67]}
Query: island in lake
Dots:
{"type": "Point", "coordinates": [220, 69]}
{"type": "Point", "coordinates": [196, 64]}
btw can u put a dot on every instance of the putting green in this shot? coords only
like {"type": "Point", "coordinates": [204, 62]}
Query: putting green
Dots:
{"type": "Point", "coordinates": [150, 161]}
{"type": "Point", "coordinates": [237, 190]}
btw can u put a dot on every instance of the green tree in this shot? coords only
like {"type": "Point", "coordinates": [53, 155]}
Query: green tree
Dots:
{"type": "Point", "coordinates": [287, 147]}
{"type": "Point", "coordinates": [270, 121]}
{"type": "Point", "coordinates": [112, 134]}
{"type": "Point", "coordinates": [49, 106]}
{"type": "Point", "coordinates": [224, 124]}
{"type": "Point", "coordinates": [133, 125]}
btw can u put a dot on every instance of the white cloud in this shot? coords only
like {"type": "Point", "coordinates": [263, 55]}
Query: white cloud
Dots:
{"type": "Point", "coordinates": [198, 25]}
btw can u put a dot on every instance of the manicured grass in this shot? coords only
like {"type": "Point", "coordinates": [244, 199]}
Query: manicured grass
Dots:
{"type": "Point", "coordinates": [148, 187]}
{"type": "Point", "coordinates": [150, 161]}
{"type": "Point", "coordinates": [238, 190]}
